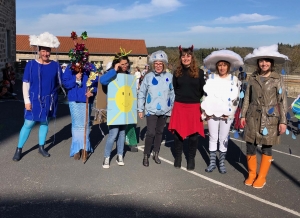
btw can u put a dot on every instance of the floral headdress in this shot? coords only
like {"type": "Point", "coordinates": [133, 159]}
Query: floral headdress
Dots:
{"type": "Point", "coordinates": [79, 55]}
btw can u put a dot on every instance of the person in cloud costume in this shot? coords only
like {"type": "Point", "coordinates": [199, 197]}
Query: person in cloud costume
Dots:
{"type": "Point", "coordinates": [222, 89]}
{"type": "Point", "coordinates": [156, 98]}
{"type": "Point", "coordinates": [264, 111]}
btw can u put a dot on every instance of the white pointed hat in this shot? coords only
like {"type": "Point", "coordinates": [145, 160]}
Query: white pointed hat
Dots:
{"type": "Point", "coordinates": [266, 52]}
{"type": "Point", "coordinates": [233, 58]}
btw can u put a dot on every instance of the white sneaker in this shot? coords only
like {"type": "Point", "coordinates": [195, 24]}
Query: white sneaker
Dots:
{"type": "Point", "coordinates": [119, 160]}
{"type": "Point", "coordinates": [105, 164]}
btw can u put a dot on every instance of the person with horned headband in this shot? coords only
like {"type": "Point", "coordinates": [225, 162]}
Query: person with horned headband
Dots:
{"type": "Point", "coordinates": [156, 98]}
{"type": "Point", "coordinates": [264, 111]}
{"type": "Point", "coordinates": [41, 82]}
{"type": "Point", "coordinates": [76, 81]}
{"type": "Point", "coordinates": [186, 122]}
{"type": "Point", "coordinates": [120, 64]}
{"type": "Point", "coordinates": [222, 90]}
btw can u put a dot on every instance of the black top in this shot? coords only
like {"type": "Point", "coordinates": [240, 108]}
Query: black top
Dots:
{"type": "Point", "coordinates": [188, 89]}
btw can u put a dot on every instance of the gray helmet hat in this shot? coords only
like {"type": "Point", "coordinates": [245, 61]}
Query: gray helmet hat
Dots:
{"type": "Point", "coordinates": [158, 56]}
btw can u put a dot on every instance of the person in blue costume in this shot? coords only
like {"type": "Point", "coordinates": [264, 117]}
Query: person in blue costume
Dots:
{"type": "Point", "coordinates": [75, 83]}
{"type": "Point", "coordinates": [120, 64]}
{"type": "Point", "coordinates": [41, 82]}
{"type": "Point", "coordinates": [156, 98]}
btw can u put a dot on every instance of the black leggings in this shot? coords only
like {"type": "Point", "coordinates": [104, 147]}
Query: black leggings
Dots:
{"type": "Point", "coordinates": [265, 149]}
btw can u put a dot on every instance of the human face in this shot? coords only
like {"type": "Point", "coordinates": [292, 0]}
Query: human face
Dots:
{"type": "Point", "coordinates": [222, 68]}
{"type": "Point", "coordinates": [186, 60]}
{"type": "Point", "coordinates": [45, 54]}
{"type": "Point", "coordinates": [123, 65]}
{"type": "Point", "coordinates": [264, 65]}
{"type": "Point", "coordinates": [158, 66]}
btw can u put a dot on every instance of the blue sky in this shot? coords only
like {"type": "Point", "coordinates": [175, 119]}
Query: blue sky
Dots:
{"type": "Point", "coordinates": [203, 23]}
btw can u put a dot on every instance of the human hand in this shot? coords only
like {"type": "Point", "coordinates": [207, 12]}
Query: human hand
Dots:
{"type": "Point", "coordinates": [28, 106]}
{"type": "Point", "coordinates": [243, 122]}
{"type": "Point", "coordinates": [281, 128]}
{"type": "Point", "coordinates": [12, 82]}
{"type": "Point", "coordinates": [141, 115]}
{"type": "Point", "coordinates": [78, 76]}
{"type": "Point", "coordinates": [117, 66]}
{"type": "Point", "coordinates": [89, 94]}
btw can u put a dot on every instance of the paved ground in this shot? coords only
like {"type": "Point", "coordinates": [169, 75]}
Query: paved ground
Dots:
{"type": "Point", "coordinates": [59, 186]}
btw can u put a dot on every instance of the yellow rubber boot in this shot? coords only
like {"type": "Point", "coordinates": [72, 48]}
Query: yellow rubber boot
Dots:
{"type": "Point", "coordinates": [252, 165]}
{"type": "Point", "coordinates": [263, 171]}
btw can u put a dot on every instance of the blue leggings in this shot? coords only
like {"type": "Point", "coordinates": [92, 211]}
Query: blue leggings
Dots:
{"type": "Point", "coordinates": [26, 129]}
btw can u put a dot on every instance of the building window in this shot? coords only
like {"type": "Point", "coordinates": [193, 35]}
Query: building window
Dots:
{"type": "Point", "coordinates": [8, 44]}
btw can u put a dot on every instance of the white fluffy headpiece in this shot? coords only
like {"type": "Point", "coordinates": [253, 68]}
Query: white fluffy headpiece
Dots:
{"type": "Point", "coordinates": [45, 39]}
{"type": "Point", "coordinates": [158, 56]}
{"type": "Point", "coordinates": [233, 58]}
{"type": "Point", "coordinates": [266, 52]}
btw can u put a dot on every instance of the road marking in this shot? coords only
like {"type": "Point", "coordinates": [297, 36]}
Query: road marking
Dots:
{"type": "Point", "coordinates": [281, 152]}
{"type": "Point", "coordinates": [227, 186]}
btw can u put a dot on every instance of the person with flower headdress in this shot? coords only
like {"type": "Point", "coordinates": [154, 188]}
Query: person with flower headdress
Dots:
{"type": "Point", "coordinates": [222, 90]}
{"type": "Point", "coordinates": [41, 82]}
{"type": "Point", "coordinates": [156, 98]}
{"type": "Point", "coordinates": [186, 122]}
{"type": "Point", "coordinates": [120, 64]}
{"type": "Point", "coordinates": [76, 79]}
{"type": "Point", "coordinates": [263, 114]}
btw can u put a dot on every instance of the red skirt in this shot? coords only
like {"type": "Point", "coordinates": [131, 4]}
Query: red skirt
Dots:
{"type": "Point", "coordinates": [186, 119]}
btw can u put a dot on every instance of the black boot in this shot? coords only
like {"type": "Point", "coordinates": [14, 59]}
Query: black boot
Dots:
{"type": "Point", "coordinates": [43, 152]}
{"type": "Point", "coordinates": [193, 144]}
{"type": "Point", "coordinates": [156, 158]}
{"type": "Point", "coordinates": [178, 147]}
{"type": "Point", "coordinates": [146, 160]}
{"type": "Point", "coordinates": [18, 154]}
{"type": "Point", "coordinates": [191, 164]}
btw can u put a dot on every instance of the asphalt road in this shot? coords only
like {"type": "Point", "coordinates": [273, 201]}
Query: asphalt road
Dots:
{"type": "Point", "coordinates": [59, 186]}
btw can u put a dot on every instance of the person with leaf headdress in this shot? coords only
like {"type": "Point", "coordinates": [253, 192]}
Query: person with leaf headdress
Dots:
{"type": "Point", "coordinates": [80, 79]}
{"type": "Point", "coordinates": [120, 64]}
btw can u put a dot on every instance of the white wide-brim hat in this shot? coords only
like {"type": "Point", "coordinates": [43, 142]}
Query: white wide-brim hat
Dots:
{"type": "Point", "coordinates": [64, 65]}
{"type": "Point", "coordinates": [231, 57]}
{"type": "Point", "coordinates": [270, 52]}
{"type": "Point", "coordinates": [45, 39]}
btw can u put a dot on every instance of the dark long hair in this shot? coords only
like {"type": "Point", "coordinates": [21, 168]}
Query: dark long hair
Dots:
{"type": "Point", "coordinates": [194, 71]}
{"type": "Point", "coordinates": [117, 59]}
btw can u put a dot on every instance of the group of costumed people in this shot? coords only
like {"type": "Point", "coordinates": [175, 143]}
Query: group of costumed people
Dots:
{"type": "Point", "coordinates": [163, 95]}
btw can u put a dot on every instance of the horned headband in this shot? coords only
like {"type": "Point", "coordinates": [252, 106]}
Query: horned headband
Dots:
{"type": "Point", "coordinates": [190, 48]}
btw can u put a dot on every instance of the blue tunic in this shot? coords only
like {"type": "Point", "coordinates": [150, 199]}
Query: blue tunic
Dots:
{"type": "Point", "coordinates": [44, 82]}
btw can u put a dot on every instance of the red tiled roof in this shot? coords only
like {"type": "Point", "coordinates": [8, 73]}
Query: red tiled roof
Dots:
{"type": "Point", "coordinates": [94, 45]}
